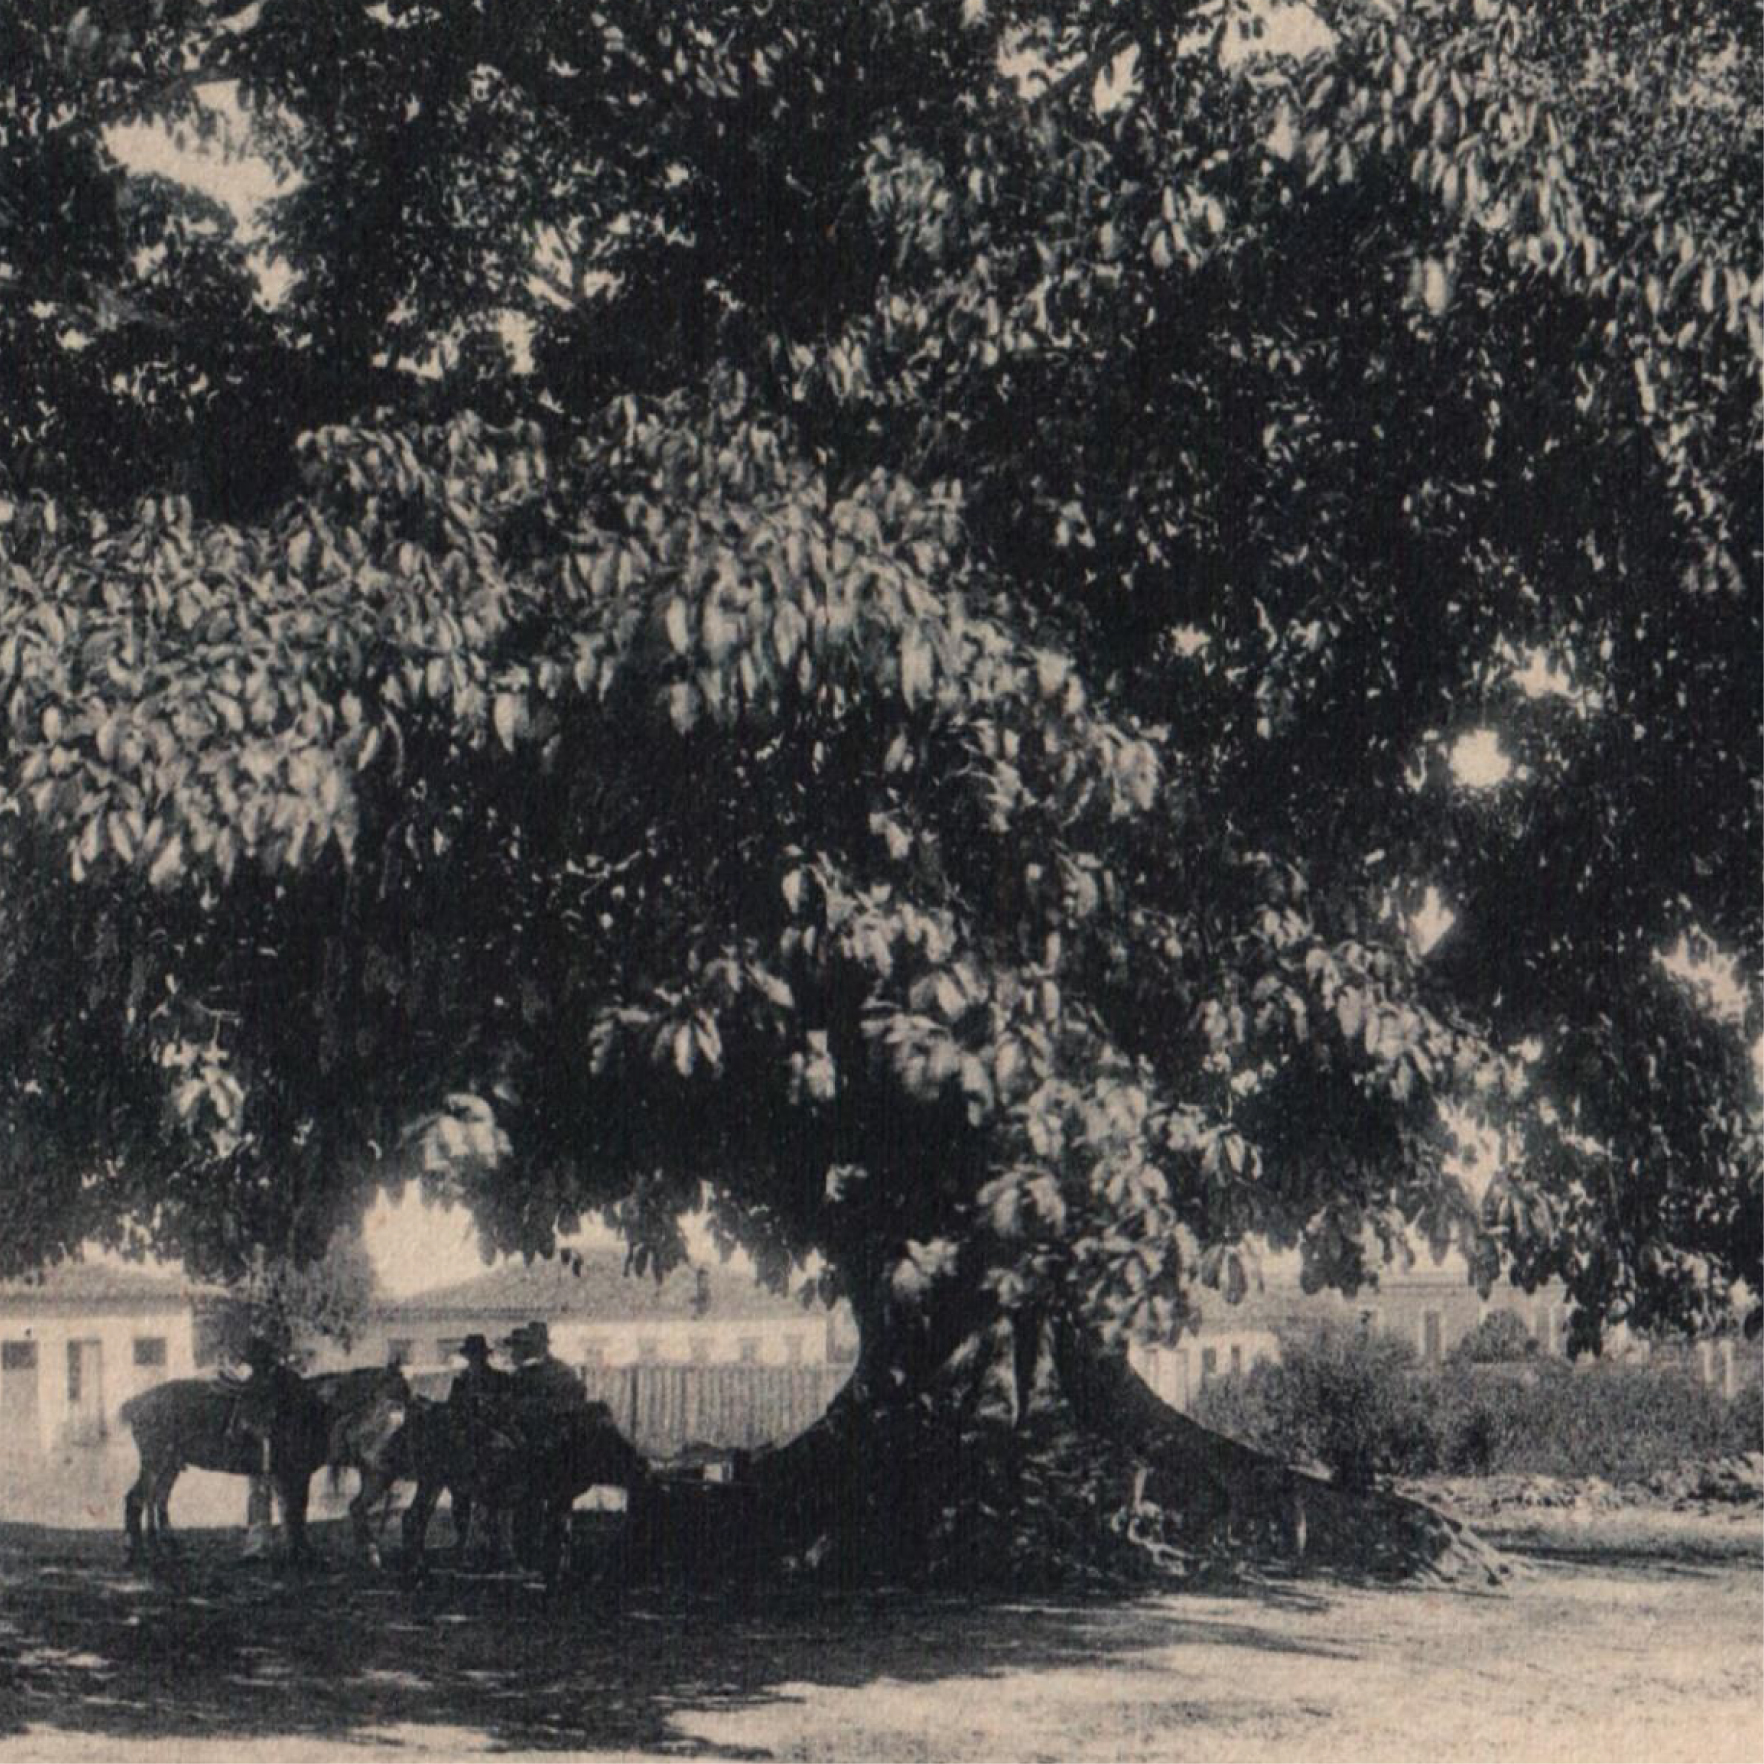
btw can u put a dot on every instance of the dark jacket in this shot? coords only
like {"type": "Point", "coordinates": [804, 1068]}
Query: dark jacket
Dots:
{"type": "Point", "coordinates": [548, 1385]}
{"type": "Point", "coordinates": [479, 1388]}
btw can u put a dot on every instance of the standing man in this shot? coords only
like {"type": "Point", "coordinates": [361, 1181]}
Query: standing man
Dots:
{"type": "Point", "coordinates": [478, 1401]}
{"type": "Point", "coordinates": [265, 1397]}
{"type": "Point", "coordinates": [546, 1393]}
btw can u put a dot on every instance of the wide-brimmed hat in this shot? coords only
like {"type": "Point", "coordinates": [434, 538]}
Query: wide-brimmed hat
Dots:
{"type": "Point", "coordinates": [260, 1353]}
{"type": "Point", "coordinates": [530, 1338]}
{"type": "Point", "coordinates": [474, 1347]}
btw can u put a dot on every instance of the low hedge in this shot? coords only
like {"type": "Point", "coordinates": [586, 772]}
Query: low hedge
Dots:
{"type": "Point", "coordinates": [1360, 1404]}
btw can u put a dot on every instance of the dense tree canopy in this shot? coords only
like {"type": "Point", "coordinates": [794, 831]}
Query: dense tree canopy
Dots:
{"type": "Point", "coordinates": [880, 608]}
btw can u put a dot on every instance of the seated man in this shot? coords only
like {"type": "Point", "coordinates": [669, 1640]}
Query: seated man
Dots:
{"type": "Point", "coordinates": [543, 1385]}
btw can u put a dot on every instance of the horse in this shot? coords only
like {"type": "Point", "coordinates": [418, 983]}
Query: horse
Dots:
{"type": "Point", "coordinates": [540, 1460]}
{"type": "Point", "coordinates": [345, 1419]}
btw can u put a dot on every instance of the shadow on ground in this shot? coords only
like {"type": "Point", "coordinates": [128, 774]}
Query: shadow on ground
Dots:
{"type": "Point", "coordinates": [217, 1648]}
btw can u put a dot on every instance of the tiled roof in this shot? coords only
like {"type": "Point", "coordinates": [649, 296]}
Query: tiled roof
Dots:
{"type": "Point", "coordinates": [73, 1286]}
{"type": "Point", "coordinates": [602, 1290]}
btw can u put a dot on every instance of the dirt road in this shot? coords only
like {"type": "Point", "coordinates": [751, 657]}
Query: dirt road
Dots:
{"type": "Point", "coordinates": [1644, 1647]}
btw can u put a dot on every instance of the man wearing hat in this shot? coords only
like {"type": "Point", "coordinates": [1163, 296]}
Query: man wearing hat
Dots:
{"type": "Point", "coordinates": [263, 1399]}
{"type": "Point", "coordinates": [543, 1385]}
{"type": "Point", "coordinates": [480, 1382]}
{"type": "Point", "coordinates": [479, 1398]}
{"type": "Point", "coordinates": [546, 1392]}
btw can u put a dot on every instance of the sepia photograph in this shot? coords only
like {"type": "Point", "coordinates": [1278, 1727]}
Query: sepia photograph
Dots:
{"type": "Point", "coordinates": [882, 880]}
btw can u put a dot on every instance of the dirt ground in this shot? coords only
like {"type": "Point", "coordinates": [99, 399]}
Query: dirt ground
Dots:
{"type": "Point", "coordinates": [1624, 1636]}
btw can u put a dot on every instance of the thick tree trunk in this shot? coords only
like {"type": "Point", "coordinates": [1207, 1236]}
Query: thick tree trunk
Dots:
{"type": "Point", "coordinates": [1016, 1452]}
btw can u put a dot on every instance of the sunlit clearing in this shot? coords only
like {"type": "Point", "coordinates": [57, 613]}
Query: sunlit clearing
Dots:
{"type": "Point", "coordinates": [1478, 762]}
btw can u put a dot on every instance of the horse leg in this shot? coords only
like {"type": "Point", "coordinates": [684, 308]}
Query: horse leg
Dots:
{"type": "Point", "coordinates": [556, 1530]}
{"type": "Point", "coordinates": [415, 1528]}
{"type": "Point", "coordinates": [133, 1504]}
{"type": "Point", "coordinates": [294, 1490]}
{"type": "Point", "coordinates": [158, 1502]}
{"type": "Point", "coordinates": [374, 1484]}
{"type": "Point", "coordinates": [260, 1516]}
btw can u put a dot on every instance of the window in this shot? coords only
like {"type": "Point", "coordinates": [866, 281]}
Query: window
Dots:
{"type": "Point", "coordinates": [1209, 1364]}
{"type": "Point", "coordinates": [398, 1350]}
{"type": "Point", "coordinates": [76, 1374]}
{"type": "Point", "coordinates": [150, 1350]}
{"type": "Point", "coordinates": [18, 1356]}
{"type": "Point", "coordinates": [1430, 1337]}
{"type": "Point", "coordinates": [1236, 1361]}
{"type": "Point", "coordinates": [749, 1350]}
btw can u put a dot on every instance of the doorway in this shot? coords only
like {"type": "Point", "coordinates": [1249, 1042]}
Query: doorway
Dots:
{"type": "Point", "coordinates": [85, 1392]}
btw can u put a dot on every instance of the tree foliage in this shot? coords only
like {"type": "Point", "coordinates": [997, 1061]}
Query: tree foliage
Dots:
{"type": "Point", "coordinates": [931, 701]}
{"type": "Point", "coordinates": [293, 1305]}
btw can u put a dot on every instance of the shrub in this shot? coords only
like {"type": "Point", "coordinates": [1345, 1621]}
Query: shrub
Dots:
{"type": "Point", "coordinates": [1499, 1339]}
{"type": "Point", "coordinates": [1359, 1404]}
{"type": "Point", "coordinates": [1618, 1420]}
{"type": "Point", "coordinates": [1249, 1406]}
{"type": "Point", "coordinates": [1343, 1396]}
{"type": "Point", "coordinates": [1745, 1417]}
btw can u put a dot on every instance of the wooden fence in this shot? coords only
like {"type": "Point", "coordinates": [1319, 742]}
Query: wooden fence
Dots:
{"type": "Point", "coordinates": [663, 1408]}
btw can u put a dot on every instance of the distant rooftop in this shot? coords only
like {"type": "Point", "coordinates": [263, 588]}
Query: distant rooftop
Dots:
{"type": "Point", "coordinates": [602, 1290]}
{"type": "Point", "coordinates": [73, 1286]}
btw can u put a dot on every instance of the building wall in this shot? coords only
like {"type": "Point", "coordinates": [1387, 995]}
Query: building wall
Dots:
{"type": "Point", "coordinates": [588, 1343]}
{"type": "Point", "coordinates": [51, 1397]}
{"type": "Point", "coordinates": [1178, 1373]}
{"type": "Point", "coordinates": [1433, 1315]}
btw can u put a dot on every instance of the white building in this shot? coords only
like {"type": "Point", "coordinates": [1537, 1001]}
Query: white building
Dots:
{"type": "Point", "coordinates": [1432, 1308]}
{"type": "Point", "coordinates": [81, 1340]}
{"type": "Point", "coordinates": [601, 1318]}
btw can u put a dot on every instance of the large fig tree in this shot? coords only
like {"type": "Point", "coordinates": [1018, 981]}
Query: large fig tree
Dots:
{"type": "Point", "coordinates": [880, 611]}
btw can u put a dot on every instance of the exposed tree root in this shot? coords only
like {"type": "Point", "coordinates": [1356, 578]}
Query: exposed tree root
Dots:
{"type": "Point", "coordinates": [1032, 1471]}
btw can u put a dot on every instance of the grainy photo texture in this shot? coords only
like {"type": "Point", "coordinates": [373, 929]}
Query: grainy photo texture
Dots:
{"type": "Point", "coordinates": [880, 879]}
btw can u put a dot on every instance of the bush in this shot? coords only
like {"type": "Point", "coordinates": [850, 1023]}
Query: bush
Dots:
{"type": "Point", "coordinates": [1618, 1420]}
{"type": "Point", "coordinates": [1746, 1417]}
{"type": "Point", "coordinates": [1342, 1396]}
{"type": "Point", "coordinates": [1499, 1339]}
{"type": "Point", "coordinates": [1359, 1404]}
